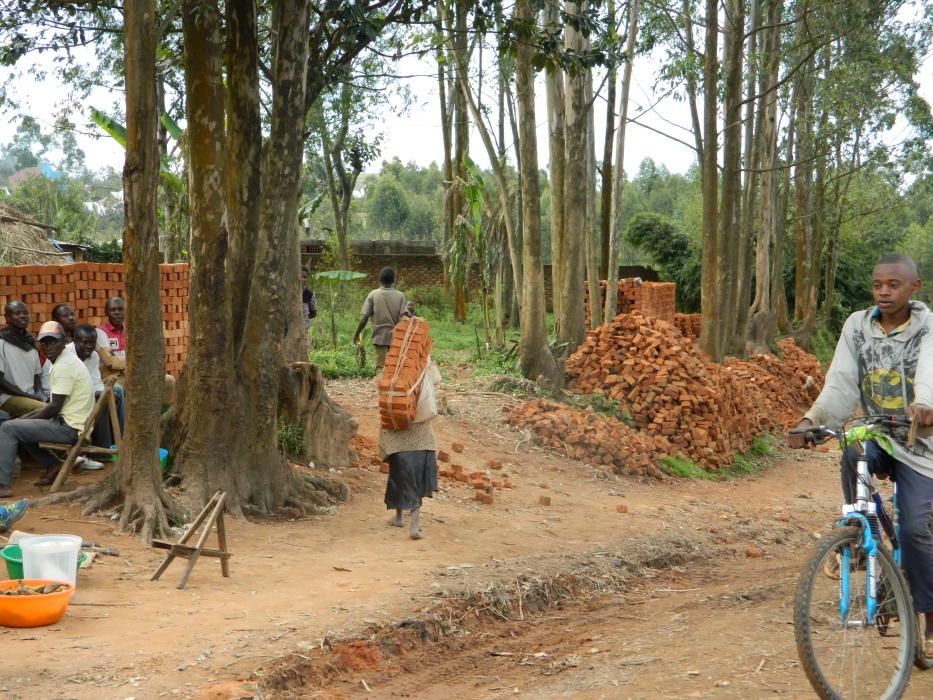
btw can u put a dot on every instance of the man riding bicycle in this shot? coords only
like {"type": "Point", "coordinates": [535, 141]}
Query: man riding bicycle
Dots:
{"type": "Point", "coordinates": [884, 361]}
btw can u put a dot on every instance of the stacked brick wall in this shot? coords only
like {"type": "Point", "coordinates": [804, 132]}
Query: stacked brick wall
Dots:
{"type": "Point", "coordinates": [650, 299]}
{"type": "Point", "coordinates": [87, 286]}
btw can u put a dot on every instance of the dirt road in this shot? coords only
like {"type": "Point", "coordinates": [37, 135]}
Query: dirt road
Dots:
{"type": "Point", "coordinates": [706, 612]}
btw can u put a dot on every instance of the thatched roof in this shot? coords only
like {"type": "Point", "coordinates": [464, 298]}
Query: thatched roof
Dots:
{"type": "Point", "coordinates": [26, 242]}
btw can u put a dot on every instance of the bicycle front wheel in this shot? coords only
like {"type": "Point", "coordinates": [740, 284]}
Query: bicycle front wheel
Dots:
{"type": "Point", "coordinates": [842, 654]}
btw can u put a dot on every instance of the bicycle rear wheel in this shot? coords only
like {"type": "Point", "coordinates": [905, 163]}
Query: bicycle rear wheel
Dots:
{"type": "Point", "coordinates": [846, 657]}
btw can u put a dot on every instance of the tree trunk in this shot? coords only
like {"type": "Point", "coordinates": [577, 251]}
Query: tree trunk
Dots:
{"type": "Point", "coordinates": [592, 231]}
{"type": "Point", "coordinates": [195, 434]}
{"type": "Point", "coordinates": [762, 317]}
{"type": "Point", "coordinates": [571, 324]}
{"type": "Point", "coordinates": [534, 355]}
{"type": "Point", "coordinates": [778, 288]}
{"type": "Point", "coordinates": [557, 124]}
{"type": "Point", "coordinates": [605, 170]}
{"type": "Point", "coordinates": [618, 178]}
{"type": "Point", "coordinates": [458, 41]}
{"type": "Point", "coordinates": [803, 193]}
{"type": "Point", "coordinates": [244, 143]}
{"type": "Point", "coordinates": [730, 240]}
{"type": "Point", "coordinates": [138, 474]}
{"type": "Point", "coordinates": [444, 99]}
{"type": "Point", "coordinates": [710, 330]}
{"type": "Point", "coordinates": [750, 159]}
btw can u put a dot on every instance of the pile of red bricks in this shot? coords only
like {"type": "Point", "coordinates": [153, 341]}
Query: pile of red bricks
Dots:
{"type": "Point", "coordinates": [590, 437]}
{"type": "Point", "coordinates": [671, 389]}
{"type": "Point", "coordinates": [405, 362]}
{"type": "Point", "coordinates": [688, 324]}
{"type": "Point", "coordinates": [87, 286]}
{"type": "Point", "coordinates": [650, 299]}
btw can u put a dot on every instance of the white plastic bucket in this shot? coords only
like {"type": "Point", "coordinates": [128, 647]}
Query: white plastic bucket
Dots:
{"type": "Point", "coordinates": [51, 557]}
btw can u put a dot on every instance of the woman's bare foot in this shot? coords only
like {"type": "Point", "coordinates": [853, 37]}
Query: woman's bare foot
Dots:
{"type": "Point", "coordinates": [414, 529]}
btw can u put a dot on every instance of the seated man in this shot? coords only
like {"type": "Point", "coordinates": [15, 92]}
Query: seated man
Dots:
{"type": "Point", "coordinates": [59, 421]}
{"type": "Point", "coordinates": [111, 346]}
{"type": "Point", "coordinates": [65, 315]}
{"type": "Point", "coordinates": [84, 346]}
{"type": "Point", "coordinates": [20, 372]}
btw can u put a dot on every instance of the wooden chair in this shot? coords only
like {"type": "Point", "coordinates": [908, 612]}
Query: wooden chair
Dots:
{"type": "Point", "coordinates": [211, 516]}
{"type": "Point", "coordinates": [107, 400]}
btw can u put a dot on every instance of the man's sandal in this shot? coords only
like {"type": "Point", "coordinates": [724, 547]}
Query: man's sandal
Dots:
{"type": "Point", "coordinates": [48, 478]}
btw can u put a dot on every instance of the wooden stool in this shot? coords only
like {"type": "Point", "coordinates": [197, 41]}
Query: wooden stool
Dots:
{"type": "Point", "coordinates": [211, 514]}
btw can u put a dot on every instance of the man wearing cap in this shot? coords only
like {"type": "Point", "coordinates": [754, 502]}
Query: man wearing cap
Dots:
{"type": "Point", "coordinates": [59, 421]}
{"type": "Point", "coordinates": [20, 372]}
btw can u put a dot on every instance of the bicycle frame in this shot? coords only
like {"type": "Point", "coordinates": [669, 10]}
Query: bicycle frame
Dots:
{"type": "Point", "coordinates": [868, 514]}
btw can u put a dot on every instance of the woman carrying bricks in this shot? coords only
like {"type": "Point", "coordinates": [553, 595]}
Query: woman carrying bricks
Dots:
{"type": "Point", "coordinates": [412, 457]}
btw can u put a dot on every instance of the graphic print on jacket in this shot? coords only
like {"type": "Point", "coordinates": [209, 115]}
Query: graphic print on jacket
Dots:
{"type": "Point", "coordinates": [886, 369]}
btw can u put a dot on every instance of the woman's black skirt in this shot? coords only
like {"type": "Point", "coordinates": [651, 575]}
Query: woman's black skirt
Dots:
{"type": "Point", "coordinates": [412, 476]}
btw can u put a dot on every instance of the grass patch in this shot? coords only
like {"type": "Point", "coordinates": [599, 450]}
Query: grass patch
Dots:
{"type": "Point", "coordinates": [342, 364]}
{"type": "Point", "coordinates": [745, 463]}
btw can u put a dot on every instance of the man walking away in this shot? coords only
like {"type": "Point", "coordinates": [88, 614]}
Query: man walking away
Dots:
{"type": "Point", "coordinates": [385, 306]}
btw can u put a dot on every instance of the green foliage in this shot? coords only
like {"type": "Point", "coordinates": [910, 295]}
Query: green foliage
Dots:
{"type": "Point", "coordinates": [431, 299]}
{"type": "Point", "coordinates": [291, 439]}
{"type": "Point", "coordinates": [107, 252]}
{"type": "Point", "coordinates": [388, 208]}
{"type": "Point", "coordinates": [58, 203]}
{"type": "Point", "coordinates": [672, 251]}
{"type": "Point", "coordinates": [337, 284]}
{"type": "Point", "coordinates": [342, 363]}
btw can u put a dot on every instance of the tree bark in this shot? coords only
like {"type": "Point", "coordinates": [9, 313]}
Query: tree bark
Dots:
{"type": "Point", "coordinates": [244, 145]}
{"type": "Point", "coordinates": [749, 192]}
{"type": "Point", "coordinates": [592, 231]}
{"type": "Point", "coordinates": [534, 355]}
{"type": "Point", "coordinates": [571, 325]}
{"type": "Point", "coordinates": [710, 330]}
{"type": "Point", "coordinates": [606, 170]}
{"type": "Point", "coordinates": [730, 240]}
{"type": "Point", "coordinates": [557, 124]}
{"type": "Point", "coordinates": [618, 178]}
{"type": "Point", "coordinates": [443, 79]}
{"type": "Point", "coordinates": [458, 42]}
{"type": "Point", "coordinates": [761, 316]}
{"type": "Point", "coordinates": [195, 434]}
{"type": "Point", "coordinates": [138, 474]}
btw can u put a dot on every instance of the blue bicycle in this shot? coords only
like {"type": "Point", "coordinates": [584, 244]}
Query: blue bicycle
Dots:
{"type": "Point", "coordinates": [856, 630]}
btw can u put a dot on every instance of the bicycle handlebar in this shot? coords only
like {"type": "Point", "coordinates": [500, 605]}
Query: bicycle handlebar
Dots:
{"type": "Point", "coordinates": [819, 434]}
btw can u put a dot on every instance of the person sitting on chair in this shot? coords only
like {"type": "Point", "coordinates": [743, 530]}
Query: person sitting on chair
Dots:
{"type": "Point", "coordinates": [59, 421]}
{"type": "Point", "coordinates": [20, 371]}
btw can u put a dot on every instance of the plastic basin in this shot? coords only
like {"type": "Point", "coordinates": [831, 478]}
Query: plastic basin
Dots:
{"type": "Point", "coordinates": [51, 557]}
{"type": "Point", "coordinates": [13, 555]}
{"type": "Point", "coordinates": [163, 458]}
{"type": "Point", "coordinates": [33, 610]}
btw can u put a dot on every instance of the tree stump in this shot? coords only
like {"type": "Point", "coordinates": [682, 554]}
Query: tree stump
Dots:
{"type": "Point", "coordinates": [328, 426]}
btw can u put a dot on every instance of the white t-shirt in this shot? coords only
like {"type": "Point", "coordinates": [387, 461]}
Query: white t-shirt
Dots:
{"type": "Point", "coordinates": [19, 368]}
{"type": "Point", "coordinates": [70, 378]}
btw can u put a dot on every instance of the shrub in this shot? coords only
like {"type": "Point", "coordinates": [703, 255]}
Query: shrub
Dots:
{"type": "Point", "coordinates": [291, 439]}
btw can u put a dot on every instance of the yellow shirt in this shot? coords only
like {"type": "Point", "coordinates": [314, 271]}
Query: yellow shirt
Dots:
{"type": "Point", "coordinates": [70, 378]}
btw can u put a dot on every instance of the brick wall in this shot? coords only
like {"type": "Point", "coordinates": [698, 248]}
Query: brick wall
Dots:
{"type": "Point", "coordinates": [87, 286]}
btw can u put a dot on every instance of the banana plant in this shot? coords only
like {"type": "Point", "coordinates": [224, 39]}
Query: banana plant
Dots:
{"type": "Point", "coordinates": [118, 133]}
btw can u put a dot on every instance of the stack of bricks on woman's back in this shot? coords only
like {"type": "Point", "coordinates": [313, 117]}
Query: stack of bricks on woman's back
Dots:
{"type": "Point", "coordinates": [672, 390]}
{"type": "Point", "coordinates": [87, 287]}
{"type": "Point", "coordinates": [405, 363]}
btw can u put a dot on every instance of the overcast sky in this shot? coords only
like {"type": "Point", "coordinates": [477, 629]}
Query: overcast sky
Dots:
{"type": "Point", "coordinates": [416, 134]}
